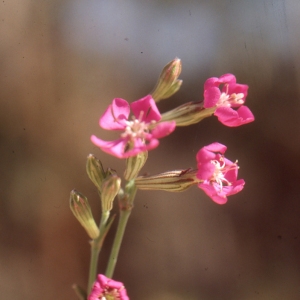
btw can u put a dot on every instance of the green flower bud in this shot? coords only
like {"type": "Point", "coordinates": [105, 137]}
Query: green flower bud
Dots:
{"type": "Point", "coordinates": [81, 209]}
{"type": "Point", "coordinates": [188, 114]}
{"type": "Point", "coordinates": [173, 89]}
{"type": "Point", "coordinates": [110, 188]}
{"type": "Point", "coordinates": [172, 181]}
{"type": "Point", "coordinates": [134, 164]}
{"type": "Point", "coordinates": [168, 83]}
{"type": "Point", "coordinates": [95, 170]}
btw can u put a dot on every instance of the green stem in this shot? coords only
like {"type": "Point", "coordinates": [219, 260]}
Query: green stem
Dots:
{"type": "Point", "coordinates": [124, 216]}
{"type": "Point", "coordinates": [126, 205]}
{"type": "Point", "coordinates": [96, 246]}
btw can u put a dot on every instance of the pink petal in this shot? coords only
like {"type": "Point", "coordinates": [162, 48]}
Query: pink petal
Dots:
{"type": "Point", "coordinates": [115, 148]}
{"type": "Point", "coordinates": [219, 198]}
{"type": "Point", "coordinates": [204, 157]}
{"type": "Point", "coordinates": [231, 175]}
{"type": "Point", "coordinates": [215, 81]}
{"type": "Point", "coordinates": [245, 114]}
{"type": "Point", "coordinates": [216, 147]}
{"type": "Point", "coordinates": [205, 170]}
{"type": "Point", "coordinates": [234, 118]}
{"type": "Point", "coordinates": [123, 294]}
{"type": "Point", "coordinates": [238, 88]}
{"type": "Point", "coordinates": [208, 152]}
{"type": "Point", "coordinates": [148, 107]}
{"type": "Point", "coordinates": [211, 97]}
{"type": "Point", "coordinates": [107, 282]}
{"type": "Point", "coordinates": [211, 82]}
{"type": "Point", "coordinates": [236, 187]}
{"type": "Point", "coordinates": [103, 285]}
{"type": "Point", "coordinates": [163, 129]}
{"type": "Point", "coordinates": [115, 115]}
{"type": "Point", "coordinates": [227, 78]}
{"type": "Point", "coordinates": [141, 146]}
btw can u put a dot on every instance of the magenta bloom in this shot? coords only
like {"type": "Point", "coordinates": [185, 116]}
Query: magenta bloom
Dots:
{"type": "Point", "coordinates": [105, 288]}
{"type": "Point", "coordinates": [230, 95]}
{"type": "Point", "coordinates": [217, 174]}
{"type": "Point", "coordinates": [140, 134]}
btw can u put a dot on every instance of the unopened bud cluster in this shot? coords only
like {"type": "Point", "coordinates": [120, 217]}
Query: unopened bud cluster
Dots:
{"type": "Point", "coordinates": [107, 182]}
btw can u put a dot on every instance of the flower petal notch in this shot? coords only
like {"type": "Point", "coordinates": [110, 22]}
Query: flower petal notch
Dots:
{"type": "Point", "coordinates": [230, 95]}
{"type": "Point", "coordinates": [140, 133]}
{"type": "Point", "coordinates": [105, 288]}
{"type": "Point", "coordinates": [217, 174]}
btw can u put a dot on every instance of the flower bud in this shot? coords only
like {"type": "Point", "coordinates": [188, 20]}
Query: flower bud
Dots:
{"type": "Point", "coordinates": [81, 209]}
{"type": "Point", "coordinates": [172, 181]}
{"type": "Point", "coordinates": [168, 83]}
{"type": "Point", "coordinates": [134, 164]}
{"type": "Point", "coordinates": [110, 188]}
{"type": "Point", "coordinates": [188, 114]}
{"type": "Point", "coordinates": [95, 170]}
{"type": "Point", "coordinates": [173, 89]}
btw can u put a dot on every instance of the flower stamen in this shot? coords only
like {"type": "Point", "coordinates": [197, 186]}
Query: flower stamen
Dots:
{"type": "Point", "coordinates": [220, 171]}
{"type": "Point", "coordinates": [230, 100]}
{"type": "Point", "coordinates": [135, 129]}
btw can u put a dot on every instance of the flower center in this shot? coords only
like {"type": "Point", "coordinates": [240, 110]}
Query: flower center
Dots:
{"type": "Point", "coordinates": [231, 100]}
{"type": "Point", "coordinates": [136, 128]}
{"type": "Point", "coordinates": [220, 171]}
{"type": "Point", "coordinates": [109, 294]}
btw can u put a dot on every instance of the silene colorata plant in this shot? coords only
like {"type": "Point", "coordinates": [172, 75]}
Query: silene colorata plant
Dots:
{"type": "Point", "coordinates": [140, 126]}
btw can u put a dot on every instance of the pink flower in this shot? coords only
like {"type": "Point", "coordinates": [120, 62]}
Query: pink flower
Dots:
{"type": "Point", "coordinates": [231, 95]}
{"type": "Point", "coordinates": [105, 288]}
{"type": "Point", "coordinates": [217, 174]}
{"type": "Point", "coordinates": [140, 134]}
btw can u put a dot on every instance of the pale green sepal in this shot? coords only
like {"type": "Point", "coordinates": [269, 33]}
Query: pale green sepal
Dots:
{"type": "Point", "coordinates": [188, 114]}
{"type": "Point", "coordinates": [110, 188]}
{"type": "Point", "coordinates": [172, 181]}
{"type": "Point", "coordinates": [95, 171]}
{"type": "Point", "coordinates": [81, 209]}
{"type": "Point", "coordinates": [134, 164]}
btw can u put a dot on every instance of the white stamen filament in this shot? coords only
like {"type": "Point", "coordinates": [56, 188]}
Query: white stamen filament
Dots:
{"type": "Point", "coordinates": [136, 128]}
{"type": "Point", "coordinates": [229, 100]}
{"type": "Point", "coordinates": [220, 172]}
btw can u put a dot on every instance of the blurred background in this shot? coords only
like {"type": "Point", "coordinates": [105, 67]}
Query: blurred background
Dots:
{"type": "Point", "coordinates": [62, 62]}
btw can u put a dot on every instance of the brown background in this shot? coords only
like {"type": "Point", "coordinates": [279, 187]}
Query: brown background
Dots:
{"type": "Point", "coordinates": [61, 64]}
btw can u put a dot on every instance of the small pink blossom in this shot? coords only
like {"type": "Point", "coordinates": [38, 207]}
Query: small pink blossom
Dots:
{"type": "Point", "coordinates": [230, 95]}
{"type": "Point", "coordinates": [218, 175]}
{"type": "Point", "coordinates": [140, 133]}
{"type": "Point", "coordinates": [105, 288]}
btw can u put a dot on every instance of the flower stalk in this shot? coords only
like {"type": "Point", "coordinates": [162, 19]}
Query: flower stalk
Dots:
{"type": "Point", "coordinates": [125, 205]}
{"type": "Point", "coordinates": [96, 246]}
